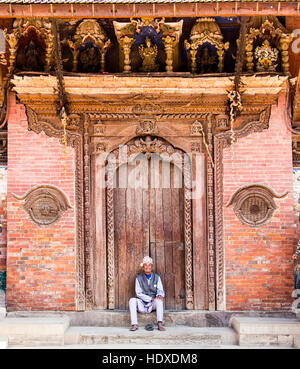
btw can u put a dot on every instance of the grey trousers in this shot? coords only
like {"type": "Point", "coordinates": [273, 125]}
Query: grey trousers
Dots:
{"type": "Point", "coordinates": [136, 305]}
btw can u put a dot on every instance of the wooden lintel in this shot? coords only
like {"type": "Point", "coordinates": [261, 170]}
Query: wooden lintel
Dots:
{"type": "Point", "coordinates": [290, 8]}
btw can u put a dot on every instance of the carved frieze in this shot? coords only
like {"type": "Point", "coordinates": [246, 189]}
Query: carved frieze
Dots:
{"type": "Point", "coordinates": [222, 122]}
{"type": "Point", "coordinates": [44, 204]}
{"type": "Point", "coordinates": [197, 128]}
{"type": "Point", "coordinates": [147, 127]}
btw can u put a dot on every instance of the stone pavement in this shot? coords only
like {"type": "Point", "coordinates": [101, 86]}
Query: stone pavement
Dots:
{"type": "Point", "coordinates": [46, 330]}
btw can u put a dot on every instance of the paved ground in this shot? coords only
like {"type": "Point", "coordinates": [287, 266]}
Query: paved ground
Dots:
{"type": "Point", "coordinates": [149, 347]}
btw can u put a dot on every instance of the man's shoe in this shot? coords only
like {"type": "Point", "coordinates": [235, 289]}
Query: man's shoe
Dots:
{"type": "Point", "coordinates": [161, 328]}
{"type": "Point", "coordinates": [134, 327]}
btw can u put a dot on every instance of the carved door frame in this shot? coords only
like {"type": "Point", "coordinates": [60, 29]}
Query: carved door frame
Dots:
{"type": "Point", "coordinates": [165, 150]}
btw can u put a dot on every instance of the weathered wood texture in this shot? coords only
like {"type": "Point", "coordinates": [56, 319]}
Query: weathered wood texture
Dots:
{"type": "Point", "coordinates": [149, 221]}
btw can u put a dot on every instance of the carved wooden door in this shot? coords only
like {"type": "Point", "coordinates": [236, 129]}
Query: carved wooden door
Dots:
{"type": "Point", "coordinates": [148, 216]}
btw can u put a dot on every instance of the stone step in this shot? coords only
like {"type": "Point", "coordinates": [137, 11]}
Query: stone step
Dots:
{"type": "Point", "coordinates": [121, 318]}
{"type": "Point", "coordinates": [266, 331]}
{"type": "Point", "coordinates": [2, 305]}
{"type": "Point", "coordinates": [172, 336]}
{"type": "Point", "coordinates": [34, 330]}
{"type": "Point", "coordinates": [3, 343]}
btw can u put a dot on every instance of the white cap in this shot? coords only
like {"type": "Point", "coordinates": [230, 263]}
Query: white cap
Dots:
{"type": "Point", "coordinates": [147, 259]}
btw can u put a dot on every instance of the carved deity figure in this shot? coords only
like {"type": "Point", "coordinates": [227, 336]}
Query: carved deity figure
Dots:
{"type": "Point", "coordinates": [206, 61]}
{"type": "Point", "coordinates": [266, 57]}
{"type": "Point", "coordinates": [89, 60]}
{"type": "Point", "coordinates": [29, 59]}
{"type": "Point", "coordinates": [148, 54]}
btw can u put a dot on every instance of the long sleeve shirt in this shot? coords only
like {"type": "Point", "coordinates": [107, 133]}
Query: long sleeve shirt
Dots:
{"type": "Point", "coordinates": [144, 297]}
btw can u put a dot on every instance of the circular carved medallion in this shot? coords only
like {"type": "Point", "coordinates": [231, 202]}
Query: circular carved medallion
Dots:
{"type": "Point", "coordinates": [254, 205]}
{"type": "Point", "coordinates": [44, 204]}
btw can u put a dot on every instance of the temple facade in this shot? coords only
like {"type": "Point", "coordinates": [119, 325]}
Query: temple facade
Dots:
{"type": "Point", "coordinates": [146, 128]}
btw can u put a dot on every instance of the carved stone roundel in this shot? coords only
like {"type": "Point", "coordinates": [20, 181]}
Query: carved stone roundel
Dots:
{"type": "Point", "coordinates": [44, 204]}
{"type": "Point", "coordinates": [254, 205]}
{"type": "Point", "coordinates": [43, 209]}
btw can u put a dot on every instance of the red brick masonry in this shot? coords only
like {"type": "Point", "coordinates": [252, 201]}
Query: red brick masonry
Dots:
{"type": "Point", "coordinates": [259, 266]}
{"type": "Point", "coordinates": [40, 261]}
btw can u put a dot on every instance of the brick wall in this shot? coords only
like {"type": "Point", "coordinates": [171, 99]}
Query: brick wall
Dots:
{"type": "Point", "coordinates": [3, 234]}
{"type": "Point", "coordinates": [259, 266]}
{"type": "Point", "coordinates": [40, 261]}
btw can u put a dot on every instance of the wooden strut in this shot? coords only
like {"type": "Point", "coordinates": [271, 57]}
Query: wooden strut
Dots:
{"type": "Point", "coordinates": [62, 98]}
{"type": "Point", "coordinates": [235, 103]}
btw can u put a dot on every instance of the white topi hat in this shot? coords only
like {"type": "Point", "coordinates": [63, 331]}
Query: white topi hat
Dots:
{"type": "Point", "coordinates": [147, 259]}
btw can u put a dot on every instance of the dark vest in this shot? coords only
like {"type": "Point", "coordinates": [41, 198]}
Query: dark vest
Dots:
{"type": "Point", "coordinates": [148, 289]}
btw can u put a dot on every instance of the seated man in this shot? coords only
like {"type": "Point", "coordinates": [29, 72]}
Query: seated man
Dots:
{"type": "Point", "coordinates": [149, 295]}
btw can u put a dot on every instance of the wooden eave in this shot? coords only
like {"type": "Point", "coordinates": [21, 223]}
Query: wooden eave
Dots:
{"type": "Point", "coordinates": [119, 94]}
{"type": "Point", "coordinates": [127, 9]}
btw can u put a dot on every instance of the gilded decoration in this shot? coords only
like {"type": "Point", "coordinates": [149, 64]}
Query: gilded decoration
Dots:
{"type": "Point", "coordinates": [206, 31]}
{"type": "Point", "coordinates": [30, 45]}
{"type": "Point", "coordinates": [254, 204]}
{"type": "Point", "coordinates": [89, 47]}
{"type": "Point", "coordinates": [44, 204]}
{"type": "Point", "coordinates": [127, 34]}
{"type": "Point", "coordinates": [267, 42]}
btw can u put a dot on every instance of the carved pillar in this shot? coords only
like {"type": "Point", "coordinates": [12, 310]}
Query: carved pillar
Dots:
{"type": "Point", "coordinates": [103, 53]}
{"type": "Point", "coordinates": [283, 47]}
{"type": "Point", "coordinates": [249, 56]}
{"type": "Point", "coordinates": [49, 52]}
{"type": "Point", "coordinates": [193, 53]}
{"type": "Point", "coordinates": [126, 43]}
{"type": "Point", "coordinates": [13, 43]}
{"type": "Point", "coordinates": [169, 44]}
{"type": "Point", "coordinates": [220, 52]}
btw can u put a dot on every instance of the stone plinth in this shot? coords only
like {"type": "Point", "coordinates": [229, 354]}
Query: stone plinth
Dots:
{"type": "Point", "coordinates": [33, 331]}
{"type": "Point", "coordinates": [266, 331]}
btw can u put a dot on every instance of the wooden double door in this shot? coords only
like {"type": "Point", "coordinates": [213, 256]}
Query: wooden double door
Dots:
{"type": "Point", "coordinates": [149, 220]}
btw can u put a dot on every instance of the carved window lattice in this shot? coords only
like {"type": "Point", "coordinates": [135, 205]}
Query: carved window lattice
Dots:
{"type": "Point", "coordinates": [254, 205]}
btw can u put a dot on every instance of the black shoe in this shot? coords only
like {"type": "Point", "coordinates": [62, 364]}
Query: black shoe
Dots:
{"type": "Point", "coordinates": [149, 327]}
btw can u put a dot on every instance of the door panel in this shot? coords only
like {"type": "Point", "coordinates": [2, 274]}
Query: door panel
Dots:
{"type": "Point", "coordinates": [149, 221]}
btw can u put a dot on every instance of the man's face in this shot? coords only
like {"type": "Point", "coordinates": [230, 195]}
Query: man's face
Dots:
{"type": "Point", "coordinates": [147, 267]}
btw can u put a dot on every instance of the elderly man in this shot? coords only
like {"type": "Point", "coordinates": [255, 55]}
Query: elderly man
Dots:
{"type": "Point", "coordinates": [149, 295]}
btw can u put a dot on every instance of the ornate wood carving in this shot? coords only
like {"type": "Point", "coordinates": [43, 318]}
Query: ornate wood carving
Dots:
{"type": "Point", "coordinates": [21, 28]}
{"type": "Point", "coordinates": [210, 220]}
{"type": "Point", "coordinates": [3, 147]}
{"type": "Point", "coordinates": [44, 204]}
{"type": "Point", "coordinates": [147, 146]}
{"type": "Point", "coordinates": [222, 140]}
{"type": "Point", "coordinates": [170, 33]}
{"type": "Point", "coordinates": [267, 29]}
{"type": "Point", "coordinates": [90, 37]}
{"type": "Point", "coordinates": [206, 31]}
{"type": "Point", "coordinates": [147, 127]}
{"type": "Point", "coordinates": [254, 204]}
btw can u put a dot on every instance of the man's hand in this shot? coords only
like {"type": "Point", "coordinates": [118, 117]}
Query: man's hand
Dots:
{"type": "Point", "coordinates": [158, 298]}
